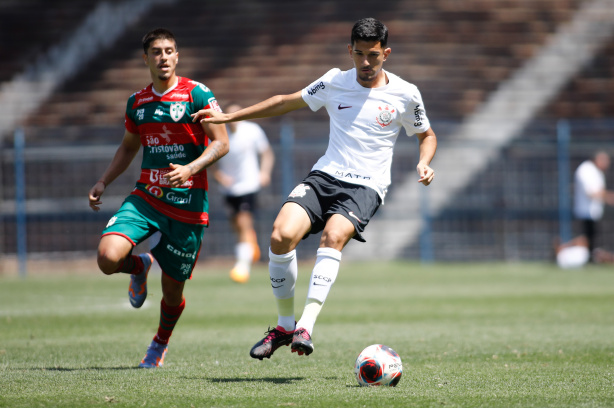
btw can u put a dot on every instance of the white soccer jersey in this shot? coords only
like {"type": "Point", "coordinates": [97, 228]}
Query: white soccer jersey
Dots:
{"type": "Point", "coordinates": [241, 161]}
{"type": "Point", "coordinates": [588, 181]}
{"type": "Point", "coordinates": [364, 125]}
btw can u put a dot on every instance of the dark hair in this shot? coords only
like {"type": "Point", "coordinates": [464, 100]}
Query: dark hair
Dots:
{"type": "Point", "coordinates": [157, 34]}
{"type": "Point", "coordinates": [370, 29]}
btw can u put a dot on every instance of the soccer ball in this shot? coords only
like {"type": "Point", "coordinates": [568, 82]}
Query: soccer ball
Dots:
{"type": "Point", "coordinates": [378, 365]}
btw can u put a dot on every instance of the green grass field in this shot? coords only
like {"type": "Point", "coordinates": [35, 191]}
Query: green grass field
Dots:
{"type": "Point", "coordinates": [470, 335]}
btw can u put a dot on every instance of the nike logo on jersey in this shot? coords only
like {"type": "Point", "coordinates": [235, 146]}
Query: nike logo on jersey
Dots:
{"type": "Point", "coordinates": [319, 284]}
{"type": "Point", "coordinates": [275, 287]}
{"type": "Point", "coordinates": [343, 107]}
{"type": "Point", "coordinates": [351, 214]}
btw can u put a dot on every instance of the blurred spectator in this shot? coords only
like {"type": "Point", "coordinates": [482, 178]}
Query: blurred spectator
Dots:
{"type": "Point", "coordinates": [575, 253]}
{"type": "Point", "coordinates": [242, 173]}
{"type": "Point", "coordinates": [591, 195]}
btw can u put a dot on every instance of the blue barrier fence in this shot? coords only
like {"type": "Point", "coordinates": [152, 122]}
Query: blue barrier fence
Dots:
{"type": "Point", "coordinates": [513, 212]}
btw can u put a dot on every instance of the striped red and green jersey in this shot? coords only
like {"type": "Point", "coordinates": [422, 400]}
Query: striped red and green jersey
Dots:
{"type": "Point", "coordinates": [169, 136]}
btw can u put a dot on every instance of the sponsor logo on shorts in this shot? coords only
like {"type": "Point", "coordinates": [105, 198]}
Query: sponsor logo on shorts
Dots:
{"type": "Point", "coordinates": [351, 214]}
{"type": "Point", "coordinates": [174, 251]}
{"type": "Point", "coordinates": [111, 221]}
{"type": "Point", "coordinates": [384, 118]}
{"type": "Point", "coordinates": [300, 190]}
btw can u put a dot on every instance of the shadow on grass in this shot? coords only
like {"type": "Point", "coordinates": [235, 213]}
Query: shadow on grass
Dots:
{"type": "Point", "coordinates": [76, 369]}
{"type": "Point", "coordinates": [274, 380]}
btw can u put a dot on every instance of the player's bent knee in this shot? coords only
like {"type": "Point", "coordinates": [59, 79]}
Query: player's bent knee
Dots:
{"type": "Point", "coordinates": [333, 239]}
{"type": "Point", "coordinates": [281, 241]}
{"type": "Point", "coordinates": [107, 267]}
{"type": "Point", "coordinates": [109, 262]}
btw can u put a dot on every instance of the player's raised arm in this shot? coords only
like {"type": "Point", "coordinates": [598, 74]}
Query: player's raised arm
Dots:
{"type": "Point", "coordinates": [428, 146]}
{"type": "Point", "coordinates": [274, 106]}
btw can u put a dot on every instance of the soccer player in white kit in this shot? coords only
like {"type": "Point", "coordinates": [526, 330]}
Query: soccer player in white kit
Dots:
{"type": "Point", "coordinates": [590, 195]}
{"type": "Point", "coordinates": [242, 173]}
{"type": "Point", "coordinates": [367, 106]}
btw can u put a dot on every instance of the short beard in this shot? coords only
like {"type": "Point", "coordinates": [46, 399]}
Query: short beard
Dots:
{"type": "Point", "coordinates": [366, 78]}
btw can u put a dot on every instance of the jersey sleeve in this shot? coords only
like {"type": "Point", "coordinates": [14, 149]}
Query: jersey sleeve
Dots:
{"type": "Point", "coordinates": [204, 99]}
{"type": "Point", "coordinates": [415, 119]}
{"type": "Point", "coordinates": [129, 122]}
{"type": "Point", "coordinates": [316, 93]}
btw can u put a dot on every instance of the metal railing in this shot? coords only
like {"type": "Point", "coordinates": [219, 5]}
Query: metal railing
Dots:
{"type": "Point", "coordinates": [512, 212]}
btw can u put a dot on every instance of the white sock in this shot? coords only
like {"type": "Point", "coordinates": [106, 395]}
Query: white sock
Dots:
{"type": "Point", "coordinates": [310, 314]}
{"type": "Point", "coordinates": [283, 270]}
{"type": "Point", "coordinates": [244, 252]}
{"type": "Point", "coordinates": [322, 279]}
{"type": "Point", "coordinates": [324, 273]}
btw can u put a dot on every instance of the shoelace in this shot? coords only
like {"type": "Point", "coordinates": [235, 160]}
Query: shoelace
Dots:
{"type": "Point", "coordinates": [303, 334]}
{"type": "Point", "coordinates": [270, 334]}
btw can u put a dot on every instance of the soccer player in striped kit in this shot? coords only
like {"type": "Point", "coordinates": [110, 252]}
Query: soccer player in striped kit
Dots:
{"type": "Point", "coordinates": [171, 193]}
{"type": "Point", "coordinates": [367, 107]}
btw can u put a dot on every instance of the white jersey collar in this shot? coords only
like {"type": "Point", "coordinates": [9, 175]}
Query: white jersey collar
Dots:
{"type": "Point", "coordinates": [167, 91]}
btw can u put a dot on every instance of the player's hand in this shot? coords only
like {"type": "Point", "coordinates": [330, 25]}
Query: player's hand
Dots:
{"type": "Point", "coordinates": [224, 179]}
{"type": "Point", "coordinates": [425, 173]}
{"type": "Point", "coordinates": [95, 194]}
{"type": "Point", "coordinates": [210, 116]}
{"type": "Point", "coordinates": [178, 176]}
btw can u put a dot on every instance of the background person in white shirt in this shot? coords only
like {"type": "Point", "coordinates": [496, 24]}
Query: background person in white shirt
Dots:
{"type": "Point", "coordinates": [575, 254]}
{"type": "Point", "coordinates": [368, 107]}
{"type": "Point", "coordinates": [590, 195]}
{"type": "Point", "coordinates": [241, 174]}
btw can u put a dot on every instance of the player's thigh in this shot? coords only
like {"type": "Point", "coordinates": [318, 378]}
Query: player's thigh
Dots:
{"type": "Point", "coordinates": [337, 232]}
{"type": "Point", "coordinates": [128, 227]}
{"type": "Point", "coordinates": [290, 226]}
{"type": "Point", "coordinates": [178, 249]}
{"type": "Point", "coordinates": [114, 247]}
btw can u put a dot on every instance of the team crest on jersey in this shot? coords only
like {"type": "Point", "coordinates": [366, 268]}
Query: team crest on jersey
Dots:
{"type": "Point", "coordinates": [299, 191]}
{"type": "Point", "coordinates": [384, 118]}
{"type": "Point", "coordinates": [177, 111]}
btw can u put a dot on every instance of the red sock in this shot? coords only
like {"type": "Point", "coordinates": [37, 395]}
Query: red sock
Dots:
{"type": "Point", "coordinates": [168, 319]}
{"type": "Point", "coordinates": [132, 265]}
